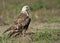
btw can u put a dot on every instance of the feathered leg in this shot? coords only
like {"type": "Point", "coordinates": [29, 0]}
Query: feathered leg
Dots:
{"type": "Point", "coordinates": [26, 27]}
{"type": "Point", "coordinates": [12, 33]}
{"type": "Point", "coordinates": [19, 33]}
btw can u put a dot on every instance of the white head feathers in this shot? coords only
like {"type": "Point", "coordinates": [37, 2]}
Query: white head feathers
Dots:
{"type": "Point", "coordinates": [25, 8]}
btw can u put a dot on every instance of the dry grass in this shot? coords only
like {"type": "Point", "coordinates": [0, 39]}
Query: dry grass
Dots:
{"type": "Point", "coordinates": [49, 10]}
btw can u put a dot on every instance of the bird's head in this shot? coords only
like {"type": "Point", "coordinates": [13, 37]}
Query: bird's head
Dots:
{"type": "Point", "coordinates": [25, 8]}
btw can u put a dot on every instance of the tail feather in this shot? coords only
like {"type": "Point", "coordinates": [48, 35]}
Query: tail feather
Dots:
{"type": "Point", "coordinates": [11, 33]}
{"type": "Point", "coordinates": [10, 28]}
{"type": "Point", "coordinates": [7, 30]}
{"type": "Point", "coordinates": [13, 30]}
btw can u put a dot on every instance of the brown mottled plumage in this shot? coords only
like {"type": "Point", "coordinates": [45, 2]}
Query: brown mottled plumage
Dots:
{"type": "Point", "coordinates": [20, 24]}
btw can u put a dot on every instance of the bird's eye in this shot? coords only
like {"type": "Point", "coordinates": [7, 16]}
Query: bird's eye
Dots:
{"type": "Point", "coordinates": [26, 7]}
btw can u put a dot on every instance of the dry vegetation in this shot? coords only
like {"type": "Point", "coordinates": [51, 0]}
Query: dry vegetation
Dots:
{"type": "Point", "coordinates": [45, 24]}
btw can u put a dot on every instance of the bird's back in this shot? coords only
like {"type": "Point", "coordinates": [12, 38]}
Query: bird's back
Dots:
{"type": "Point", "coordinates": [21, 18]}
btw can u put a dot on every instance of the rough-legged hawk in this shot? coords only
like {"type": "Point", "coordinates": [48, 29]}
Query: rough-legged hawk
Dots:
{"type": "Point", "coordinates": [21, 24]}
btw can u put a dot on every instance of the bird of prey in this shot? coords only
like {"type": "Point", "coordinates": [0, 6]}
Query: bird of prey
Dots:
{"type": "Point", "coordinates": [21, 23]}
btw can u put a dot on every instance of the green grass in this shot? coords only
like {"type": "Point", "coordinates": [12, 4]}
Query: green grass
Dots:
{"type": "Point", "coordinates": [47, 35]}
{"type": "Point", "coordinates": [41, 36]}
{"type": "Point", "coordinates": [5, 39]}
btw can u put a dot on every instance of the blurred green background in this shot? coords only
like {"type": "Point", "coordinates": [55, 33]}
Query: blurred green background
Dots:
{"type": "Point", "coordinates": [41, 10]}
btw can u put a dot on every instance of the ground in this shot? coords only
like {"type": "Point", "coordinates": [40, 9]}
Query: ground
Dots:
{"type": "Point", "coordinates": [41, 33]}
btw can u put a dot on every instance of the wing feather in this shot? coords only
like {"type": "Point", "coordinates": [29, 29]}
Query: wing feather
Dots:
{"type": "Point", "coordinates": [22, 21]}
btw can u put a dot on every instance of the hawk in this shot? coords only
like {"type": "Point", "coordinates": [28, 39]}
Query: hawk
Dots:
{"type": "Point", "coordinates": [21, 24]}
